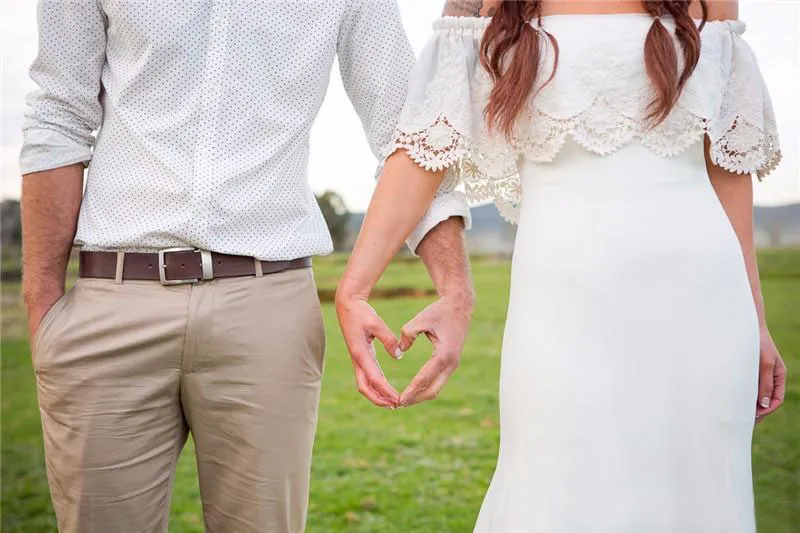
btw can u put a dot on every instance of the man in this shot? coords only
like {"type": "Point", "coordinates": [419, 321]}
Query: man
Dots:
{"type": "Point", "coordinates": [196, 309]}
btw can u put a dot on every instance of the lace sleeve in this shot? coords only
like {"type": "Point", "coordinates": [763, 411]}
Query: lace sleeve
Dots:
{"type": "Point", "coordinates": [743, 132]}
{"type": "Point", "coordinates": [442, 125]}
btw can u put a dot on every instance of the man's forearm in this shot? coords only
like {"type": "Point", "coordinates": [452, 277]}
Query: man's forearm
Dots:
{"type": "Point", "coordinates": [444, 252]}
{"type": "Point", "coordinates": [446, 321]}
{"type": "Point", "coordinates": [50, 203]}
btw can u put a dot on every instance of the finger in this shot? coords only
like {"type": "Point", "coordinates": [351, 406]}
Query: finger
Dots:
{"type": "Point", "coordinates": [424, 379]}
{"type": "Point", "coordinates": [368, 391]}
{"type": "Point", "coordinates": [381, 331]}
{"type": "Point", "coordinates": [410, 332]}
{"type": "Point", "coordinates": [766, 384]}
{"type": "Point", "coordinates": [433, 390]}
{"type": "Point", "coordinates": [364, 359]}
{"type": "Point", "coordinates": [368, 362]}
{"type": "Point", "coordinates": [448, 362]}
{"type": "Point", "coordinates": [778, 390]}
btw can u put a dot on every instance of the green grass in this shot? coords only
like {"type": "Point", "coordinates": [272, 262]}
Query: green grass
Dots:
{"type": "Point", "coordinates": [417, 470]}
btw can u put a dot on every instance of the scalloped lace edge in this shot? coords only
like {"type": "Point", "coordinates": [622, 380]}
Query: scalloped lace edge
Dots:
{"type": "Point", "coordinates": [440, 146]}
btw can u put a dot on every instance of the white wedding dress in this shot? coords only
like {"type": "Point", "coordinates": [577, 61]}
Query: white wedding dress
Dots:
{"type": "Point", "coordinates": [630, 357]}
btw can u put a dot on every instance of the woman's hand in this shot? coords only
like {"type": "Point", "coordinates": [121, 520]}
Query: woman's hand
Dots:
{"type": "Point", "coordinates": [771, 378]}
{"type": "Point", "coordinates": [360, 326]}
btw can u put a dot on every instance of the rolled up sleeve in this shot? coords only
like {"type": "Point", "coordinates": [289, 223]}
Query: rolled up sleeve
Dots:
{"type": "Point", "coordinates": [447, 203]}
{"type": "Point", "coordinates": [375, 60]}
{"type": "Point", "coordinates": [65, 110]}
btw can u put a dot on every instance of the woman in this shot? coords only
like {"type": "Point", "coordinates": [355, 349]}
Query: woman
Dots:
{"type": "Point", "coordinates": [622, 137]}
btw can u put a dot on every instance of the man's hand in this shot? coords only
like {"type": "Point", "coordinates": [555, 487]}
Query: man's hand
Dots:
{"type": "Point", "coordinates": [361, 325]}
{"type": "Point", "coordinates": [445, 323]}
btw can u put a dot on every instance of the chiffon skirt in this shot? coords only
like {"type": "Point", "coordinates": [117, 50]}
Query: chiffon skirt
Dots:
{"type": "Point", "coordinates": [630, 357]}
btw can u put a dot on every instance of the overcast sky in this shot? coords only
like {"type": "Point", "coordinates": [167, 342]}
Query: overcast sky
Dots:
{"type": "Point", "coordinates": [348, 167]}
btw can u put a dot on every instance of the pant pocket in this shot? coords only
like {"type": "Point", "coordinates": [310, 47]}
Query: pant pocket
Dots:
{"type": "Point", "coordinates": [320, 324]}
{"type": "Point", "coordinates": [46, 325]}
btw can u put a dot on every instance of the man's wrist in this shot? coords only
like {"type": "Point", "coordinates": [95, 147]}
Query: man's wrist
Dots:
{"type": "Point", "coordinates": [464, 294]}
{"type": "Point", "coordinates": [42, 294]}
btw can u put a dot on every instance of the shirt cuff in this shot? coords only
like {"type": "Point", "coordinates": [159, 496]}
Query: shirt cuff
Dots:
{"type": "Point", "coordinates": [452, 204]}
{"type": "Point", "coordinates": [45, 149]}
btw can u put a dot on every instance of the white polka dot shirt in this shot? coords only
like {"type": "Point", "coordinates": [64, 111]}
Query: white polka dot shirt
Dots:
{"type": "Point", "coordinates": [202, 111]}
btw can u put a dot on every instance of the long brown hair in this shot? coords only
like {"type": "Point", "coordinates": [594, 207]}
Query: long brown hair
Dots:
{"type": "Point", "coordinates": [511, 50]}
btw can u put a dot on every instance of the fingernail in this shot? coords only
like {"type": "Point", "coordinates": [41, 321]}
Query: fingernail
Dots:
{"type": "Point", "coordinates": [765, 402]}
{"type": "Point", "coordinates": [398, 354]}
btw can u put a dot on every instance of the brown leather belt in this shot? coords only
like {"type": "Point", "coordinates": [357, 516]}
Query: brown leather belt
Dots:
{"type": "Point", "coordinates": [175, 266]}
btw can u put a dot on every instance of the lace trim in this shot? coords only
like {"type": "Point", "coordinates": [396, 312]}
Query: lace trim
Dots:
{"type": "Point", "coordinates": [436, 147]}
{"type": "Point", "coordinates": [485, 178]}
{"type": "Point", "coordinates": [744, 149]}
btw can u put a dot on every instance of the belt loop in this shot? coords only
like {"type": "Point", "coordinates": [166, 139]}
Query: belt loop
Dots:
{"type": "Point", "coordinates": [120, 267]}
{"type": "Point", "coordinates": [259, 267]}
{"type": "Point", "coordinates": [207, 264]}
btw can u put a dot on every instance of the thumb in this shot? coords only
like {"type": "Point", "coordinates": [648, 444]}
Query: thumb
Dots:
{"type": "Point", "coordinates": [410, 332]}
{"type": "Point", "coordinates": [381, 331]}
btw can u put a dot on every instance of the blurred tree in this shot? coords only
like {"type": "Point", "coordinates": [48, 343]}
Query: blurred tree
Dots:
{"type": "Point", "coordinates": [10, 223]}
{"type": "Point", "coordinates": [336, 216]}
{"type": "Point", "coordinates": [10, 239]}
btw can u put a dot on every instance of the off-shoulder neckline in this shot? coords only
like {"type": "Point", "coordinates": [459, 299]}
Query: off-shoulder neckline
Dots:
{"type": "Point", "coordinates": [478, 23]}
{"type": "Point", "coordinates": [583, 15]}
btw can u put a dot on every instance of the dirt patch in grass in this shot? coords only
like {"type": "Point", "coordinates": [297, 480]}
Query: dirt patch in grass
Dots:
{"type": "Point", "coordinates": [391, 293]}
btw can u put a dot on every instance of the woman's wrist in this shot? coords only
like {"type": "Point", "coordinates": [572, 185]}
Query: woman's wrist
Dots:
{"type": "Point", "coordinates": [349, 289]}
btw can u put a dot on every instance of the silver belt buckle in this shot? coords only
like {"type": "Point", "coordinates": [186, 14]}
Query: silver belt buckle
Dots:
{"type": "Point", "coordinates": [205, 259]}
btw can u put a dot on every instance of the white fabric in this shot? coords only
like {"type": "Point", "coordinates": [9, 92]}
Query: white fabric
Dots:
{"type": "Point", "coordinates": [204, 110]}
{"type": "Point", "coordinates": [598, 97]}
{"type": "Point", "coordinates": [629, 371]}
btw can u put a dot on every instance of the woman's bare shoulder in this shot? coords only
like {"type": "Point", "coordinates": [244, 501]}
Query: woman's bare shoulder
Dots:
{"type": "Point", "coordinates": [716, 9]}
{"type": "Point", "coordinates": [470, 8]}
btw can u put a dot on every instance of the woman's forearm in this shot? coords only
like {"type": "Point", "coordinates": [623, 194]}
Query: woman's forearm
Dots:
{"type": "Point", "coordinates": [403, 195]}
{"type": "Point", "coordinates": [735, 193]}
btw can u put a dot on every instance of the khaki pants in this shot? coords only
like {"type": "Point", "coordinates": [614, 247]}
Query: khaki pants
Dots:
{"type": "Point", "coordinates": [125, 371]}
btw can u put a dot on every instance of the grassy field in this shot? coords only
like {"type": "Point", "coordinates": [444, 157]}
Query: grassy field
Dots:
{"type": "Point", "coordinates": [417, 470]}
